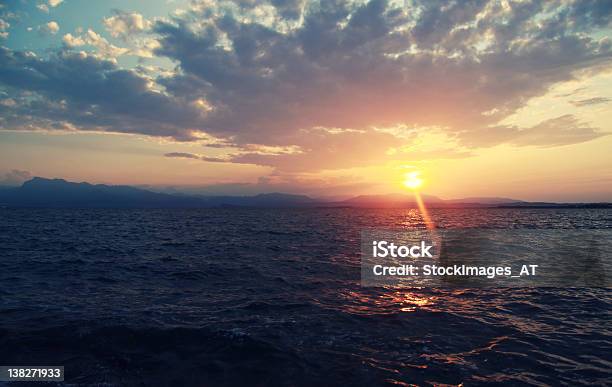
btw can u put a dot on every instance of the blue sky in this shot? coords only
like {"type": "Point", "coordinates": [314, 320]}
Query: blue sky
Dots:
{"type": "Point", "coordinates": [26, 18]}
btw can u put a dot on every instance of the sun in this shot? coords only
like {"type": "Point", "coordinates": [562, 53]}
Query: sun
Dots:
{"type": "Point", "coordinates": [412, 180]}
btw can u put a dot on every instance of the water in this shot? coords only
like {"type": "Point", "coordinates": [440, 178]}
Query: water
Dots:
{"type": "Point", "coordinates": [272, 297]}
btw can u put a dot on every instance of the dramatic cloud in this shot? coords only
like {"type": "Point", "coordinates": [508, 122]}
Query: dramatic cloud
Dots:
{"type": "Point", "coordinates": [77, 90]}
{"type": "Point", "coordinates": [319, 82]}
{"type": "Point", "coordinates": [363, 66]}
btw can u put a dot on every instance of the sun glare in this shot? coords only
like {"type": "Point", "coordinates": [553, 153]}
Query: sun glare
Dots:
{"type": "Point", "coordinates": [412, 180]}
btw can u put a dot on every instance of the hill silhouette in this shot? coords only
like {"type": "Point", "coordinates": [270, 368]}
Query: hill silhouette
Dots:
{"type": "Point", "coordinates": [58, 193]}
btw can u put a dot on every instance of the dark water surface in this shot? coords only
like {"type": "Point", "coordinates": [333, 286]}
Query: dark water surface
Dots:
{"type": "Point", "coordinates": [272, 297]}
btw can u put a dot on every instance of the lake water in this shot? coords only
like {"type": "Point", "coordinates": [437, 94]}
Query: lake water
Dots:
{"type": "Point", "coordinates": [273, 297]}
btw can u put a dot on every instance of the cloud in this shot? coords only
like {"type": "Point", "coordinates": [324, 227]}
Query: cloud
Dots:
{"type": "Point", "coordinates": [571, 93]}
{"type": "Point", "coordinates": [4, 26]}
{"type": "Point", "coordinates": [125, 24]}
{"type": "Point", "coordinates": [141, 48]}
{"type": "Point", "coordinates": [283, 74]}
{"type": "Point", "coordinates": [359, 67]}
{"type": "Point", "coordinates": [563, 130]}
{"type": "Point", "coordinates": [182, 155]}
{"type": "Point", "coordinates": [51, 28]}
{"type": "Point", "coordinates": [290, 9]}
{"type": "Point", "coordinates": [105, 49]}
{"type": "Point", "coordinates": [322, 150]}
{"type": "Point", "coordinates": [51, 3]}
{"type": "Point", "coordinates": [590, 101]}
{"type": "Point", "coordinates": [73, 41]}
{"type": "Point", "coordinates": [15, 177]}
{"type": "Point", "coordinates": [71, 90]}
{"type": "Point", "coordinates": [144, 48]}
{"type": "Point", "coordinates": [214, 159]}
{"type": "Point", "coordinates": [195, 156]}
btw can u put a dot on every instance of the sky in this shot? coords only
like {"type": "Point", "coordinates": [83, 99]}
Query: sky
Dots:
{"type": "Point", "coordinates": [325, 98]}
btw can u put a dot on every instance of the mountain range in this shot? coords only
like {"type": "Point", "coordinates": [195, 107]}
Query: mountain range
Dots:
{"type": "Point", "coordinates": [58, 193]}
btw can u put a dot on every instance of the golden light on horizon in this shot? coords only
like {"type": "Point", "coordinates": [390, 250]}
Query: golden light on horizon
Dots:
{"type": "Point", "coordinates": [412, 180]}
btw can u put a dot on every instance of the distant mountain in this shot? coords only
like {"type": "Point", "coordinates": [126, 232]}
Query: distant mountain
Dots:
{"type": "Point", "coordinates": [408, 201]}
{"type": "Point", "coordinates": [58, 193]}
{"type": "Point", "coordinates": [403, 201]}
{"type": "Point", "coordinates": [262, 200]}
{"type": "Point", "coordinates": [387, 201]}
{"type": "Point", "coordinates": [484, 200]}
{"type": "Point", "coordinates": [40, 192]}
